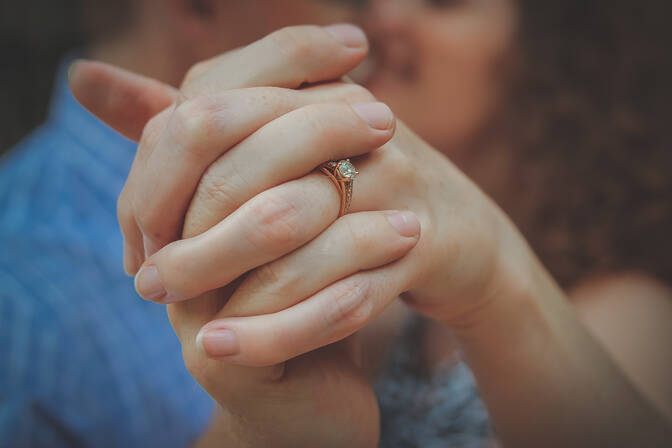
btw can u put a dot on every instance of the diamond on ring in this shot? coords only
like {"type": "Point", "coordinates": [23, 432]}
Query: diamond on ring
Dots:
{"type": "Point", "coordinates": [347, 169]}
{"type": "Point", "coordinates": [342, 173]}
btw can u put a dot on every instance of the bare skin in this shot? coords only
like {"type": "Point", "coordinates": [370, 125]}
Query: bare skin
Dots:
{"type": "Point", "coordinates": [442, 66]}
{"type": "Point", "coordinates": [115, 53]}
{"type": "Point", "coordinates": [629, 314]}
{"type": "Point", "coordinates": [519, 335]}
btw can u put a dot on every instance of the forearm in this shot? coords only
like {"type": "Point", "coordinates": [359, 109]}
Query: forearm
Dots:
{"type": "Point", "coordinates": [544, 379]}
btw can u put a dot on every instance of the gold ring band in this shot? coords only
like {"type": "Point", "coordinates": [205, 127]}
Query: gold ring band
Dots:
{"type": "Point", "coordinates": [342, 173]}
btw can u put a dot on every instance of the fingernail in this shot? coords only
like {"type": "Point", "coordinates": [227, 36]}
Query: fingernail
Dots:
{"type": "Point", "coordinates": [376, 114]}
{"type": "Point", "coordinates": [217, 343]}
{"type": "Point", "coordinates": [348, 35]}
{"type": "Point", "coordinates": [406, 223]}
{"type": "Point", "coordinates": [148, 284]}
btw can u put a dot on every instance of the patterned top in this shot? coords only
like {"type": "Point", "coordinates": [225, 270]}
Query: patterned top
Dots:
{"type": "Point", "coordinates": [428, 409]}
{"type": "Point", "coordinates": [85, 362]}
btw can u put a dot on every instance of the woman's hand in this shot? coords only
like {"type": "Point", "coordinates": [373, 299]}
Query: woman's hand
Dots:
{"type": "Point", "coordinates": [470, 269]}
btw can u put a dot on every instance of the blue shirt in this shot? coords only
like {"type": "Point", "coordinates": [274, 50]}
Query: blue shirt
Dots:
{"type": "Point", "coordinates": [83, 360]}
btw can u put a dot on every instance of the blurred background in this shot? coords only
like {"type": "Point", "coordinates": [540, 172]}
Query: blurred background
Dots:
{"type": "Point", "coordinates": [34, 35]}
{"type": "Point", "coordinates": [558, 109]}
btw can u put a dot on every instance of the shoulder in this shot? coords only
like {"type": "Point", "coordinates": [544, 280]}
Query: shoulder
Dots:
{"type": "Point", "coordinates": [82, 352]}
{"type": "Point", "coordinates": [631, 316]}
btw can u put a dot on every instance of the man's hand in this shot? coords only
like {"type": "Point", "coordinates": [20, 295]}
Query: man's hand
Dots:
{"type": "Point", "coordinates": [320, 398]}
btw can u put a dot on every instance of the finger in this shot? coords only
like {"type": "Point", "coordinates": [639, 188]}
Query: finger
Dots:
{"type": "Point", "coordinates": [134, 241]}
{"type": "Point", "coordinates": [133, 258]}
{"type": "Point", "coordinates": [329, 316]}
{"type": "Point", "coordinates": [202, 129]}
{"type": "Point", "coordinates": [354, 243]}
{"type": "Point", "coordinates": [287, 148]}
{"type": "Point", "coordinates": [158, 192]}
{"type": "Point", "coordinates": [270, 225]}
{"type": "Point", "coordinates": [288, 58]}
{"type": "Point", "coordinates": [123, 100]}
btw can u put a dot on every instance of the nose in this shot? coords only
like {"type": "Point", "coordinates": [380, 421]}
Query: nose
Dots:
{"type": "Point", "coordinates": [390, 25]}
{"type": "Point", "coordinates": [389, 16]}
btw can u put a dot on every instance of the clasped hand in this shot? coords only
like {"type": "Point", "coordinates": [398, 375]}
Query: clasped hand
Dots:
{"type": "Point", "coordinates": [226, 220]}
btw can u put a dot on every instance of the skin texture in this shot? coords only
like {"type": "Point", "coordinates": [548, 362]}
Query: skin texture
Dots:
{"type": "Point", "coordinates": [468, 53]}
{"type": "Point", "coordinates": [478, 277]}
{"type": "Point", "coordinates": [625, 313]}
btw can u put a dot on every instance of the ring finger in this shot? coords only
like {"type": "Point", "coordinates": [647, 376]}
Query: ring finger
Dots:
{"type": "Point", "coordinates": [265, 228]}
{"type": "Point", "coordinates": [168, 167]}
{"type": "Point", "coordinates": [285, 149]}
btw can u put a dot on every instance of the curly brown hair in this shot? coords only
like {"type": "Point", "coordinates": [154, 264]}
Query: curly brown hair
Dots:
{"type": "Point", "coordinates": [587, 116]}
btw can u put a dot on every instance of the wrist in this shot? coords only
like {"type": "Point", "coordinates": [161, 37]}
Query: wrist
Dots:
{"type": "Point", "coordinates": [517, 286]}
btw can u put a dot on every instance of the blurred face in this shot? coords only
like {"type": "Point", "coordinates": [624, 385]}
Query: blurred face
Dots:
{"type": "Point", "coordinates": [241, 22]}
{"type": "Point", "coordinates": [437, 63]}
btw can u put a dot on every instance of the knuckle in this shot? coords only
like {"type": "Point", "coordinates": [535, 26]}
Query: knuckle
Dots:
{"type": "Point", "coordinates": [150, 223]}
{"type": "Point", "coordinates": [152, 131]}
{"type": "Point", "coordinates": [351, 306]}
{"type": "Point", "coordinates": [193, 123]}
{"type": "Point", "coordinates": [177, 270]}
{"type": "Point", "coordinates": [278, 223]}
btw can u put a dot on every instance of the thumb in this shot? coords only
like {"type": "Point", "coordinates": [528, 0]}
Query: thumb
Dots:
{"type": "Point", "coordinates": [125, 101]}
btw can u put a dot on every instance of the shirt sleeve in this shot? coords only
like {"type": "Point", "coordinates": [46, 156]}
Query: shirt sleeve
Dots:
{"type": "Point", "coordinates": [24, 422]}
{"type": "Point", "coordinates": [84, 361]}
{"type": "Point", "coordinates": [26, 418]}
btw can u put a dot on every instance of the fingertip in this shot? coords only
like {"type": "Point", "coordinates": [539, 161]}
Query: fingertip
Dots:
{"type": "Point", "coordinates": [376, 114]}
{"type": "Point", "coordinates": [86, 84]}
{"type": "Point", "coordinates": [148, 284]}
{"type": "Point", "coordinates": [72, 70]}
{"type": "Point", "coordinates": [76, 84]}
